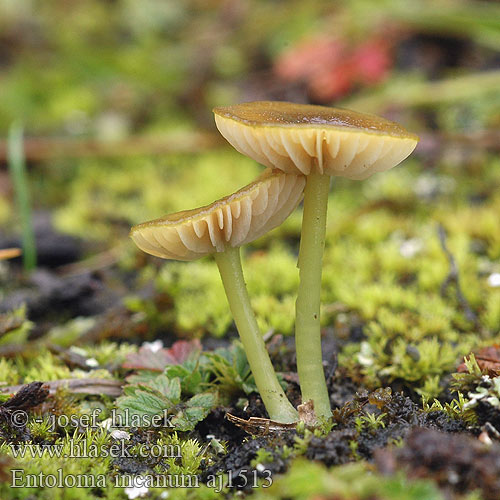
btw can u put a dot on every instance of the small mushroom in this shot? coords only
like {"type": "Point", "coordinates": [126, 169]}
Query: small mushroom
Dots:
{"type": "Point", "coordinates": [317, 142]}
{"type": "Point", "coordinates": [220, 229]}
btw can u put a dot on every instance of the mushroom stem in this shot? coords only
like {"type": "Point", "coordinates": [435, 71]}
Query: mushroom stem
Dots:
{"type": "Point", "coordinates": [307, 321]}
{"type": "Point", "coordinates": [273, 396]}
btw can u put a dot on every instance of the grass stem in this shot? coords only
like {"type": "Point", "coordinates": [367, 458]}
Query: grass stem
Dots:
{"type": "Point", "coordinates": [17, 168]}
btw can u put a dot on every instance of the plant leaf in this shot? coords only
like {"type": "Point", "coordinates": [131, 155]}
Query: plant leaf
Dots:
{"type": "Point", "coordinates": [197, 408]}
{"type": "Point", "coordinates": [147, 359]}
{"type": "Point", "coordinates": [170, 388]}
{"type": "Point", "coordinates": [143, 403]}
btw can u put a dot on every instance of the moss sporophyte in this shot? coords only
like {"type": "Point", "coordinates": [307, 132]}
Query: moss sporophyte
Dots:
{"type": "Point", "coordinates": [316, 142]}
{"type": "Point", "coordinates": [220, 229]}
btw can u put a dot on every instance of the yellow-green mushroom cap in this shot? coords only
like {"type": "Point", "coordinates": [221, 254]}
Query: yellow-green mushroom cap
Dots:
{"type": "Point", "coordinates": [301, 138]}
{"type": "Point", "coordinates": [231, 221]}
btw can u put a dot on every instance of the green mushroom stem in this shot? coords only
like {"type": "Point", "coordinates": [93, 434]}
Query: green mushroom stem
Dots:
{"type": "Point", "coordinates": [345, 143]}
{"type": "Point", "coordinates": [273, 396]}
{"type": "Point", "coordinates": [220, 229]}
{"type": "Point", "coordinates": [307, 321]}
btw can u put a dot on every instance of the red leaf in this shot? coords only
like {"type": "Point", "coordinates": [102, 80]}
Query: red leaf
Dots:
{"type": "Point", "coordinates": [182, 350]}
{"type": "Point", "coordinates": [372, 61]}
{"type": "Point", "coordinates": [309, 59]}
{"type": "Point", "coordinates": [147, 359]}
{"type": "Point", "coordinates": [330, 67]}
{"type": "Point", "coordinates": [332, 84]}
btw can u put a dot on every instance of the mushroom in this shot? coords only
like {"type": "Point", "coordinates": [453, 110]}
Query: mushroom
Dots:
{"type": "Point", "coordinates": [318, 142]}
{"type": "Point", "coordinates": [220, 229]}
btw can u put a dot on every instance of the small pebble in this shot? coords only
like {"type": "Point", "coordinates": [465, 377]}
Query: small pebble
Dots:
{"type": "Point", "coordinates": [453, 477]}
{"type": "Point", "coordinates": [410, 248]}
{"type": "Point", "coordinates": [485, 438]}
{"type": "Point", "coordinates": [92, 363]}
{"type": "Point", "coordinates": [136, 491]}
{"type": "Point", "coordinates": [118, 434]}
{"type": "Point", "coordinates": [494, 280]}
{"type": "Point", "coordinates": [153, 346]}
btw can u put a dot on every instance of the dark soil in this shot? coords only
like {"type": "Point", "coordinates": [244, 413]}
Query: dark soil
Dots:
{"type": "Point", "coordinates": [434, 445]}
{"type": "Point", "coordinates": [458, 463]}
{"type": "Point", "coordinates": [402, 417]}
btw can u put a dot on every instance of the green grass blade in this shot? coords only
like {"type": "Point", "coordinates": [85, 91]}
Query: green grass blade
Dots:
{"type": "Point", "coordinates": [17, 168]}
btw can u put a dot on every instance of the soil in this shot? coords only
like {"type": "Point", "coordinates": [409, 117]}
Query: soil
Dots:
{"type": "Point", "coordinates": [435, 446]}
{"type": "Point", "coordinates": [457, 462]}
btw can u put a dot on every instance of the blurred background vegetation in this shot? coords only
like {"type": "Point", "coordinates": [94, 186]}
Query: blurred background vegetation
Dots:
{"type": "Point", "coordinates": [115, 98]}
{"type": "Point", "coordinates": [98, 82]}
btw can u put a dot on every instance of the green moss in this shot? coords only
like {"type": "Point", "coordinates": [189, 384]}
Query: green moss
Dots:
{"type": "Point", "coordinates": [106, 195]}
{"type": "Point", "coordinates": [8, 372]}
{"type": "Point", "coordinates": [32, 464]}
{"type": "Point", "coordinates": [307, 479]}
{"type": "Point", "coordinates": [420, 364]}
{"type": "Point", "coordinates": [109, 353]}
{"type": "Point", "coordinates": [262, 457]}
{"type": "Point", "coordinates": [191, 454]}
{"type": "Point", "coordinates": [491, 312]}
{"type": "Point", "coordinates": [42, 430]}
{"type": "Point", "coordinates": [200, 304]}
{"type": "Point", "coordinates": [370, 421]}
{"type": "Point", "coordinates": [17, 326]}
{"type": "Point", "coordinates": [458, 408]}
{"type": "Point", "coordinates": [46, 367]}
{"type": "Point", "coordinates": [67, 334]}
{"type": "Point", "coordinates": [199, 301]}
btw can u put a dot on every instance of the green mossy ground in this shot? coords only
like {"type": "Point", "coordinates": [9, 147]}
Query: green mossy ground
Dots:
{"type": "Point", "coordinates": [411, 265]}
{"type": "Point", "coordinates": [384, 273]}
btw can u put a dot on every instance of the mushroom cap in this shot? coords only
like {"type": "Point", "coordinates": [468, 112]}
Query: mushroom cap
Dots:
{"type": "Point", "coordinates": [231, 221]}
{"type": "Point", "coordinates": [301, 138]}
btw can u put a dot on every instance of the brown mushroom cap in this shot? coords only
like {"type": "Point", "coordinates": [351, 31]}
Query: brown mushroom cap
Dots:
{"type": "Point", "coordinates": [298, 138]}
{"type": "Point", "coordinates": [231, 221]}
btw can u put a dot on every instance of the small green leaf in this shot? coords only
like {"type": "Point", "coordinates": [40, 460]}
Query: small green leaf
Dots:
{"type": "Point", "coordinates": [193, 380]}
{"type": "Point", "coordinates": [170, 388]}
{"type": "Point", "coordinates": [142, 377]}
{"type": "Point", "coordinates": [197, 408]}
{"type": "Point", "coordinates": [143, 403]}
{"type": "Point", "coordinates": [204, 400]}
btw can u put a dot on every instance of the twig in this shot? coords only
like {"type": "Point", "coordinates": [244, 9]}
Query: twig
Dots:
{"type": "Point", "coordinates": [481, 139]}
{"type": "Point", "coordinates": [93, 386]}
{"type": "Point", "coordinates": [96, 262]}
{"type": "Point", "coordinates": [26, 397]}
{"type": "Point", "coordinates": [453, 279]}
{"type": "Point", "coordinates": [10, 253]}
{"type": "Point", "coordinates": [427, 93]}
{"type": "Point", "coordinates": [44, 148]}
{"type": "Point", "coordinates": [259, 426]}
